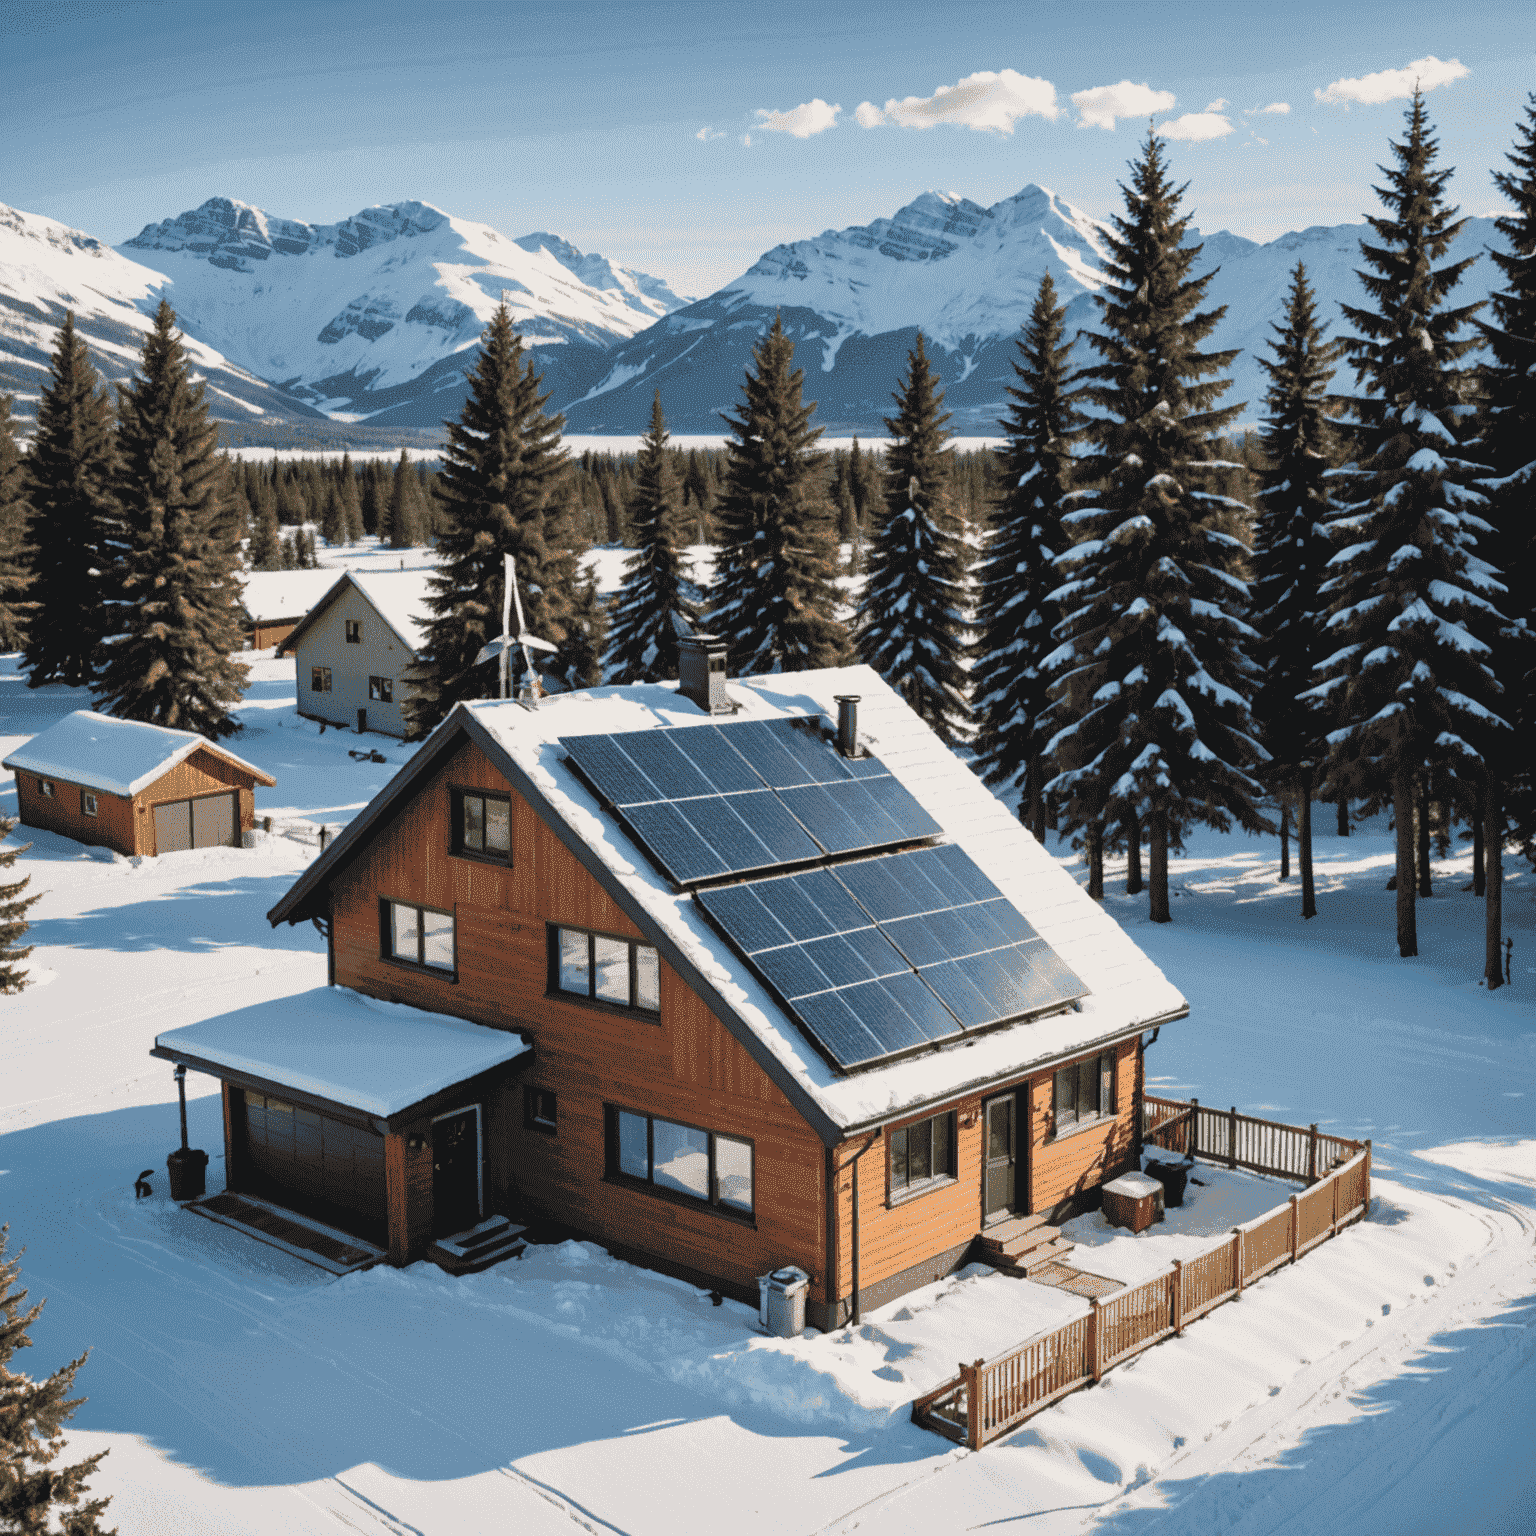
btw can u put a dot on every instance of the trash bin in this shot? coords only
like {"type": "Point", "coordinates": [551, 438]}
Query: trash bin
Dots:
{"type": "Point", "coordinates": [781, 1301]}
{"type": "Point", "coordinates": [188, 1167]}
{"type": "Point", "coordinates": [1172, 1176]}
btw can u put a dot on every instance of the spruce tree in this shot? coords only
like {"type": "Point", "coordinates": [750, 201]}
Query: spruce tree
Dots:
{"type": "Point", "coordinates": [773, 596]}
{"type": "Point", "coordinates": [264, 553]}
{"type": "Point", "coordinates": [404, 515]}
{"type": "Point", "coordinates": [1153, 704]}
{"type": "Point", "coordinates": [503, 464]}
{"type": "Point", "coordinates": [71, 486]}
{"type": "Point", "coordinates": [1408, 685]}
{"type": "Point", "coordinates": [910, 625]}
{"type": "Point", "coordinates": [35, 1494]}
{"type": "Point", "coordinates": [351, 501]}
{"type": "Point", "coordinates": [657, 596]}
{"type": "Point", "coordinates": [1509, 445]}
{"type": "Point", "coordinates": [13, 915]}
{"type": "Point", "coordinates": [15, 554]}
{"type": "Point", "coordinates": [179, 614]}
{"type": "Point", "coordinates": [1291, 551]}
{"type": "Point", "coordinates": [1016, 612]}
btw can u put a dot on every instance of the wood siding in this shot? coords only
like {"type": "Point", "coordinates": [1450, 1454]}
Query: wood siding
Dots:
{"type": "Point", "coordinates": [266, 633]}
{"type": "Point", "coordinates": [684, 1066]}
{"type": "Point", "coordinates": [380, 653]}
{"type": "Point", "coordinates": [203, 773]}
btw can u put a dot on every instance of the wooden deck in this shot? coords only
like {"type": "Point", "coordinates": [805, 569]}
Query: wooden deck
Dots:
{"type": "Point", "coordinates": [337, 1253]}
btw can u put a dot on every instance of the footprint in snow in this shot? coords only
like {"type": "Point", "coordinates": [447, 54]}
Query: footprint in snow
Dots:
{"type": "Point", "coordinates": [1274, 1391]}
{"type": "Point", "coordinates": [1429, 1279]}
{"type": "Point", "coordinates": [1386, 1309]}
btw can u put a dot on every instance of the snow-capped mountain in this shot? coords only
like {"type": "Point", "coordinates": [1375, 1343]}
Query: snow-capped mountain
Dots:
{"type": "Point", "coordinates": [47, 268]}
{"type": "Point", "coordinates": [371, 316]}
{"type": "Point", "coordinates": [854, 300]}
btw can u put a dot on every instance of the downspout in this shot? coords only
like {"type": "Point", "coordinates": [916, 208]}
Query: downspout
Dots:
{"type": "Point", "coordinates": [853, 1256]}
{"type": "Point", "coordinates": [829, 1181]}
{"type": "Point", "coordinates": [322, 926]}
{"type": "Point", "coordinates": [1143, 1045]}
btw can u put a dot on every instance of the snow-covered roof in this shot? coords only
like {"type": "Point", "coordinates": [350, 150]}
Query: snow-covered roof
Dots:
{"type": "Point", "coordinates": [119, 757]}
{"type": "Point", "coordinates": [398, 597]}
{"type": "Point", "coordinates": [336, 1044]}
{"type": "Point", "coordinates": [285, 594]}
{"type": "Point", "coordinates": [1128, 990]}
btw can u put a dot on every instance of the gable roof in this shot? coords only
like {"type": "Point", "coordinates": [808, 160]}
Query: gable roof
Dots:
{"type": "Point", "coordinates": [271, 595]}
{"type": "Point", "coordinates": [398, 597]}
{"type": "Point", "coordinates": [119, 757]}
{"type": "Point", "coordinates": [1129, 993]}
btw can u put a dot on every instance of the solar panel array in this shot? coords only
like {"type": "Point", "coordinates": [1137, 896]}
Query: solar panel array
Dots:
{"type": "Point", "coordinates": [746, 796]}
{"type": "Point", "coordinates": [883, 956]}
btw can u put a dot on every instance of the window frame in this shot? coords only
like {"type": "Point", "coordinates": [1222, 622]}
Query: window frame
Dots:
{"type": "Point", "coordinates": [632, 1009]}
{"type": "Point", "coordinates": [381, 690]}
{"type": "Point", "coordinates": [456, 796]}
{"type": "Point", "coordinates": [352, 631]}
{"type": "Point", "coordinates": [387, 954]}
{"type": "Point", "coordinates": [324, 675]}
{"type": "Point", "coordinates": [1101, 1116]}
{"type": "Point", "coordinates": [532, 1119]}
{"type": "Point", "coordinates": [88, 805]}
{"type": "Point", "coordinates": [612, 1173]}
{"type": "Point", "coordinates": [45, 787]}
{"type": "Point", "coordinates": [899, 1194]}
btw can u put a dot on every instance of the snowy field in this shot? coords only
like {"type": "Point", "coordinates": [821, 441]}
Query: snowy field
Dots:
{"type": "Point", "coordinates": [1387, 1383]}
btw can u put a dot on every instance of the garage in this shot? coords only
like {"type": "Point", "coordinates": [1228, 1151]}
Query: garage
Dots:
{"type": "Point", "coordinates": [209, 821]}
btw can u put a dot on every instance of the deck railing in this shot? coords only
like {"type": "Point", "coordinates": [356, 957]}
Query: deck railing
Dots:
{"type": "Point", "coordinates": [991, 1397]}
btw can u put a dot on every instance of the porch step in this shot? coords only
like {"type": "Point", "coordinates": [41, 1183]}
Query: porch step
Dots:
{"type": "Point", "coordinates": [1026, 1264]}
{"type": "Point", "coordinates": [1006, 1231]}
{"type": "Point", "coordinates": [467, 1253]}
{"type": "Point", "coordinates": [1019, 1248]}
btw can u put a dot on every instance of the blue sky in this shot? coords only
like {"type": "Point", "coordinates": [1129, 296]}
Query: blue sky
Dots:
{"type": "Point", "coordinates": [644, 131]}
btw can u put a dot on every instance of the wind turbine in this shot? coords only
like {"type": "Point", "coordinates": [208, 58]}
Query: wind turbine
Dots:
{"type": "Point", "coordinates": [502, 645]}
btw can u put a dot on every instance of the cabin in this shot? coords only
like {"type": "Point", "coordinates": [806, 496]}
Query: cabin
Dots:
{"type": "Point", "coordinates": [277, 601]}
{"type": "Point", "coordinates": [134, 787]}
{"type": "Point", "coordinates": [780, 983]}
{"type": "Point", "coordinates": [354, 649]}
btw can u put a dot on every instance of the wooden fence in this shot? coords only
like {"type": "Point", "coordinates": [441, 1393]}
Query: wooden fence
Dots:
{"type": "Point", "coordinates": [991, 1397]}
{"type": "Point", "coordinates": [1242, 1141]}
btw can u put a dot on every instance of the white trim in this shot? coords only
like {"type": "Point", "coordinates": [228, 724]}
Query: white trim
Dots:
{"type": "Point", "coordinates": [479, 1153]}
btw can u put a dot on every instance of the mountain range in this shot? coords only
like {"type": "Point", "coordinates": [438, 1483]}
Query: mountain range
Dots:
{"type": "Point", "coordinates": [370, 323]}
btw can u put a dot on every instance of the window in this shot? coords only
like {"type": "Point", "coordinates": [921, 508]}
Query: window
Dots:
{"type": "Point", "coordinates": [381, 689]}
{"type": "Point", "coordinates": [45, 788]}
{"type": "Point", "coordinates": [1085, 1092]}
{"type": "Point", "coordinates": [606, 969]}
{"type": "Point", "coordinates": [87, 802]}
{"type": "Point", "coordinates": [681, 1161]}
{"type": "Point", "coordinates": [320, 679]}
{"type": "Point", "coordinates": [539, 1109]}
{"type": "Point", "coordinates": [923, 1155]}
{"type": "Point", "coordinates": [416, 935]}
{"type": "Point", "coordinates": [483, 825]}
{"type": "Point", "coordinates": [354, 629]}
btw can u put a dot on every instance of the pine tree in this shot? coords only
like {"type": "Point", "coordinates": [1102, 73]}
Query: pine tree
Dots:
{"type": "Point", "coordinates": [1509, 443]}
{"type": "Point", "coordinates": [405, 509]}
{"type": "Point", "coordinates": [15, 554]}
{"type": "Point", "coordinates": [71, 480]}
{"type": "Point", "coordinates": [657, 595]}
{"type": "Point", "coordinates": [35, 1494]}
{"type": "Point", "coordinates": [579, 661]}
{"type": "Point", "coordinates": [180, 614]}
{"type": "Point", "coordinates": [264, 552]}
{"type": "Point", "coordinates": [13, 916]}
{"type": "Point", "coordinates": [1291, 550]}
{"type": "Point", "coordinates": [773, 597]}
{"type": "Point", "coordinates": [1018, 572]}
{"type": "Point", "coordinates": [351, 501]}
{"type": "Point", "coordinates": [1153, 704]}
{"type": "Point", "coordinates": [333, 521]}
{"type": "Point", "coordinates": [910, 625]}
{"type": "Point", "coordinates": [503, 464]}
{"type": "Point", "coordinates": [375, 498]}
{"type": "Point", "coordinates": [1408, 685]}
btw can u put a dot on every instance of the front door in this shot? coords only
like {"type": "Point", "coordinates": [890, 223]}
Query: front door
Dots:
{"type": "Point", "coordinates": [456, 1172]}
{"type": "Point", "coordinates": [1000, 1158]}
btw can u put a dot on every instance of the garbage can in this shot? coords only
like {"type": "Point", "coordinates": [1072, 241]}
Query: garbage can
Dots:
{"type": "Point", "coordinates": [1172, 1176]}
{"type": "Point", "coordinates": [187, 1167]}
{"type": "Point", "coordinates": [781, 1301]}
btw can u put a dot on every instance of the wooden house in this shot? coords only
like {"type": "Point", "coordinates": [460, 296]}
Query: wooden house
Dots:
{"type": "Point", "coordinates": [141, 789]}
{"type": "Point", "coordinates": [797, 989]}
{"type": "Point", "coordinates": [354, 649]}
{"type": "Point", "coordinates": [277, 601]}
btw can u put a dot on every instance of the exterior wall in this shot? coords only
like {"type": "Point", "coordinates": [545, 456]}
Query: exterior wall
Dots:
{"type": "Point", "coordinates": [204, 773]}
{"type": "Point", "coordinates": [265, 633]}
{"type": "Point", "coordinates": [1065, 1170]}
{"type": "Point", "coordinates": [379, 654]}
{"type": "Point", "coordinates": [686, 1067]}
{"type": "Point", "coordinates": [111, 827]}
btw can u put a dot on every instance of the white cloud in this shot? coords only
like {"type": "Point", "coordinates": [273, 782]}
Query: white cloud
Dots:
{"type": "Point", "coordinates": [1258, 140]}
{"type": "Point", "coordinates": [989, 101]}
{"type": "Point", "coordinates": [1100, 107]}
{"type": "Point", "coordinates": [1390, 84]}
{"type": "Point", "coordinates": [704, 135]}
{"type": "Point", "coordinates": [810, 117]}
{"type": "Point", "coordinates": [1219, 105]}
{"type": "Point", "coordinates": [1274, 109]}
{"type": "Point", "coordinates": [1196, 127]}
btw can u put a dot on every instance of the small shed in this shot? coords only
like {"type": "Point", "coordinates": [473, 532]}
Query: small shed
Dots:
{"type": "Point", "coordinates": [354, 650]}
{"type": "Point", "coordinates": [277, 601]}
{"type": "Point", "coordinates": [138, 788]}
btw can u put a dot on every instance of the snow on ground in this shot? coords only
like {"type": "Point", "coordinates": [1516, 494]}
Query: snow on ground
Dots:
{"type": "Point", "coordinates": [1385, 1383]}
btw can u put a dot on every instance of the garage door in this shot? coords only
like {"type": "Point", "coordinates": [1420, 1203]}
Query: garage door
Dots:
{"type": "Point", "coordinates": [208, 822]}
{"type": "Point", "coordinates": [314, 1164]}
